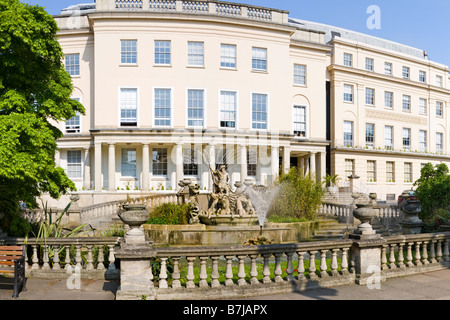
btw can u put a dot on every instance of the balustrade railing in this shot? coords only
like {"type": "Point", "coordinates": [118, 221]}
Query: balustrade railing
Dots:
{"type": "Point", "coordinates": [409, 252]}
{"type": "Point", "coordinates": [197, 7]}
{"type": "Point", "coordinates": [59, 254]}
{"type": "Point", "coordinates": [250, 265]}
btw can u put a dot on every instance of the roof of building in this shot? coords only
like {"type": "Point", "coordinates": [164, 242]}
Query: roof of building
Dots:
{"type": "Point", "coordinates": [330, 32]}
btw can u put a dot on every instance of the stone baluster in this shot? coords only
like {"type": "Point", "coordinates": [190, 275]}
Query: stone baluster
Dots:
{"type": "Point", "coordinates": [67, 258]}
{"type": "Point", "coordinates": [417, 255]}
{"type": "Point", "coordinates": [78, 259]}
{"type": "Point", "coordinates": [176, 283]}
{"type": "Point", "coordinates": [401, 258]}
{"type": "Point", "coordinates": [190, 273]}
{"type": "Point", "coordinates": [111, 258]}
{"type": "Point", "coordinates": [312, 265]}
{"type": "Point", "coordinates": [151, 277]}
{"type": "Point", "coordinates": [35, 258]}
{"type": "Point", "coordinates": [425, 253]}
{"type": "Point", "coordinates": [45, 259]}
{"type": "Point", "coordinates": [215, 272]}
{"type": "Point", "coordinates": [229, 271]}
{"type": "Point", "coordinates": [203, 275]}
{"type": "Point", "coordinates": [432, 252]}
{"type": "Point", "coordinates": [253, 270]}
{"type": "Point", "coordinates": [323, 263]}
{"type": "Point", "coordinates": [439, 251]}
{"type": "Point", "coordinates": [344, 261]}
{"type": "Point", "coordinates": [383, 258]}
{"type": "Point", "coordinates": [409, 257]}
{"type": "Point", "coordinates": [90, 258]}
{"type": "Point", "coordinates": [301, 265]}
{"type": "Point", "coordinates": [163, 274]}
{"type": "Point", "coordinates": [56, 264]}
{"type": "Point", "coordinates": [277, 270]}
{"type": "Point", "coordinates": [392, 256]}
{"type": "Point", "coordinates": [334, 262]}
{"type": "Point", "coordinates": [446, 250]}
{"type": "Point", "coordinates": [266, 269]}
{"type": "Point", "coordinates": [290, 267]}
{"type": "Point", "coordinates": [100, 258]}
{"type": "Point", "coordinates": [241, 271]}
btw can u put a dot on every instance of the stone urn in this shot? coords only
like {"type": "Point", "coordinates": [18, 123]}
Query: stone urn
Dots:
{"type": "Point", "coordinates": [134, 215]}
{"type": "Point", "coordinates": [411, 223]}
{"type": "Point", "coordinates": [365, 213]}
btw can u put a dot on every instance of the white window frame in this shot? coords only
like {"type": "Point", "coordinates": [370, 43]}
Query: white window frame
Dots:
{"type": "Point", "coordinates": [422, 76]}
{"type": "Point", "coordinates": [388, 163]}
{"type": "Point", "coordinates": [439, 142]}
{"type": "Point", "coordinates": [439, 109]}
{"type": "Point", "coordinates": [370, 144]}
{"type": "Point", "coordinates": [423, 108]}
{"type": "Point", "coordinates": [423, 146]}
{"type": "Point", "coordinates": [267, 110]}
{"type": "Point", "coordinates": [388, 137]}
{"type": "Point", "coordinates": [196, 55]}
{"type": "Point", "coordinates": [120, 106]}
{"type": "Point", "coordinates": [370, 96]}
{"type": "Point", "coordinates": [77, 131]}
{"type": "Point", "coordinates": [294, 122]}
{"type": "Point", "coordinates": [204, 108]}
{"type": "Point", "coordinates": [439, 81]}
{"type": "Point", "coordinates": [74, 69]}
{"type": "Point", "coordinates": [406, 72]}
{"type": "Point", "coordinates": [224, 54]}
{"type": "Point", "coordinates": [351, 95]}
{"type": "Point", "coordinates": [157, 174]}
{"type": "Point", "coordinates": [406, 138]}
{"type": "Point", "coordinates": [78, 165]}
{"type": "Point", "coordinates": [300, 72]}
{"type": "Point", "coordinates": [170, 107]}
{"type": "Point", "coordinates": [370, 64]}
{"type": "Point", "coordinates": [156, 54]}
{"type": "Point", "coordinates": [260, 59]}
{"type": "Point", "coordinates": [371, 172]}
{"type": "Point", "coordinates": [352, 133]}
{"type": "Point", "coordinates": [389, 100]}
{"type": "Point", "coordinates": [406, 102]}
{"type": "Point", "coordinates": [348, 59]}
{"type": "Point", "coordinates": [236, 109]}
{"type": "Point", "coordinates": [122, 163]}
{"type": "Point", "coordinates": [388, 68]}
{"type": "Point", "coordinates": [133, 54]}
{"type": "Point", "coordinates": [407, 174]}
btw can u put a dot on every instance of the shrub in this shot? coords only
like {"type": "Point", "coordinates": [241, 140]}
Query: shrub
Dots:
{"type": "Point", "coordinates": [170, 213]}
{"type": "Point", "coordinates": [299, 196]}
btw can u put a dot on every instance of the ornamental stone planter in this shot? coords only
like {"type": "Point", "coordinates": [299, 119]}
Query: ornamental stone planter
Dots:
{"type": "Point", "coordinates": [365, 213]}
{"type": "Point", "coordinates": [134, 215]}
{"type": "Point", "coordinates": [411, 223]}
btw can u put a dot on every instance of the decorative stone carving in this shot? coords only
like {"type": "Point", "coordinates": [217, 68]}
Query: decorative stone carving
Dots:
{"type": "Point", "coordinates": [411, 223]}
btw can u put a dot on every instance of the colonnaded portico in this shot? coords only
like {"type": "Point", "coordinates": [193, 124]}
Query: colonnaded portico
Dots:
{"type": "Point", "coordinates": [113, 161]}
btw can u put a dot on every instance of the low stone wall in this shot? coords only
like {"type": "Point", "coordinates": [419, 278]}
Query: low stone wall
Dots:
{"type": "Point", "coordinates": [203, 235]}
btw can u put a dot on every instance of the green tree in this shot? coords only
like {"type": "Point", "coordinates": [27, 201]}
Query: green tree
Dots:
{"type": "Point", "coordinates": [433, 188]}
{"type": "Point", "coordinates": [35, 93]}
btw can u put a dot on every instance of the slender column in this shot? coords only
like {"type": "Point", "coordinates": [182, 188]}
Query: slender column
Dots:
{"type": "Point", "coordinates": [275, 162]}
{"type": "Point", "coordinates": [145, 167]}
{"type": "Point", "coordinates": [286, 159]}
{"type": "Point", "coordinates": [312, 163]}
{"type": "Point", "coordinates": [98, 166]}
{"type": "Point", "coordinates": [179, 162]}
{"type": "Point", "coordinates": [176, 273]}
{"type": "Point", "coordinates": [243, 163]}
{"type": "Point", "coordinates": [111, 167]}
{"type": "Point", "coordinates": [57, 158]}
{"type": "Point", "coordinates": [301, 162]}
{"type": "Point", "coordinates": [323, 166]}
{"type": "Point", "coordinates": [215, 272]}
{"type": "Point", "coordinates": [87, 168]}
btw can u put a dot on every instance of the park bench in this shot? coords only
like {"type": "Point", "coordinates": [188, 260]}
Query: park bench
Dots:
{"type": "Point", "coordinates": [12, 260]}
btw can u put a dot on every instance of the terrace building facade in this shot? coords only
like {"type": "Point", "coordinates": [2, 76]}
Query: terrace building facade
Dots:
{"type": "Point", "coordinates": [174, 88]}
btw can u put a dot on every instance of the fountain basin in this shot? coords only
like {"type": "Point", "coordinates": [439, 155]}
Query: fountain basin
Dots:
{"type": "Point", "coordinates": [226, 235]}
{"type": "Point", "coordinates": [228, 220]}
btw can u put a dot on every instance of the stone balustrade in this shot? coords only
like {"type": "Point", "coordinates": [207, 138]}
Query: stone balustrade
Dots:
{"type": "Point", "coordinates": [196, 7]}
{"type": "Point", "coordinates": [94, 257]}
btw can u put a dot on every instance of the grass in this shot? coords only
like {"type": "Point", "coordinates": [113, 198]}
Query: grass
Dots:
{"type": "Point", "coordinates": [285, 219]}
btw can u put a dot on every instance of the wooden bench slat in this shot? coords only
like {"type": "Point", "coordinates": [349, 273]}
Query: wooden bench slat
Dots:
{"type": "Point", "coordinates": [11, 248]}
{"type": "Point", "coordinates": [11, 253]}
{"type": "Point", "coordinates": [6, 263]}
{"type": "Point", "coordinates": [8, 258]}
{"type": "Point", "coordinates": [6, 271]}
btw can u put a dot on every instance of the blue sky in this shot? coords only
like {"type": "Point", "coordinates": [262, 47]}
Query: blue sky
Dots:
{"type": "Point", "coordinates": [417, 23]}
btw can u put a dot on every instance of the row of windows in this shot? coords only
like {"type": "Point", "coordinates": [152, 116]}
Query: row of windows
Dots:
{"type": "Point", "coordinates": [389, 137]}
{"type": "Point", "coordinates": [389, 100]}
{"type": "Point", "coordinates": [159, 162]}
{"type": "Point", "coordinates": [196, 58]}
{"type": "Point", "coordinates": [228, 109]}
{"type": "Point", "coordinates": [390, 167]}
{"type": "Point", "coordinates": [388, 70]}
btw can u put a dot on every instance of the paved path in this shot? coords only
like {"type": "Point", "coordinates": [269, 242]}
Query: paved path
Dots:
{"type": "Point", "coordinates": [428, 286]}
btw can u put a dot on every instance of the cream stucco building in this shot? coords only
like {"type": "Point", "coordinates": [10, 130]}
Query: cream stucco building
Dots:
{"type": "Point", "coordinates": [173, 87]}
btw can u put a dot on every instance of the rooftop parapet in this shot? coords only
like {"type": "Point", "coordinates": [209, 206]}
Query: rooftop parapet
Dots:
{"type": "Point", "coordinates": [213, 7]}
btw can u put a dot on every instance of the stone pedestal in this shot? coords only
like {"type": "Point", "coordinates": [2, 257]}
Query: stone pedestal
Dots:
{"type": "Point", "coordinates": [365, 255]}
{"type": "Point", "coordinates": [135, 272]}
